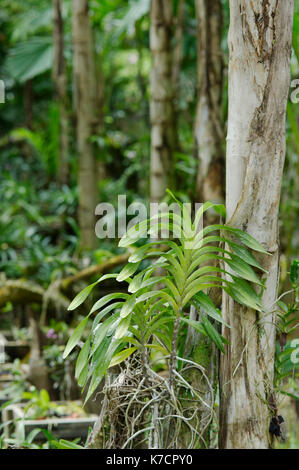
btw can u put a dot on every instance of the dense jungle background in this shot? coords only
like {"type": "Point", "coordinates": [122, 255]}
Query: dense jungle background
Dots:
{"type": "Point", "coordinates": [105, 98]}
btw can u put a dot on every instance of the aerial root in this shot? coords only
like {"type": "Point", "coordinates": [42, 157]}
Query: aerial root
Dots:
{"type": "Point", "coordinates": [143, 411]}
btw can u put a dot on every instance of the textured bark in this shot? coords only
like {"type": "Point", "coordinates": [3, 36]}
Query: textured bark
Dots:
{"type": "Point", "coordinates": [260, 41]}
{"type": "Point", "coordinates": [87, 119]}
{"type": "Point", "coordinates": [100, 163]}
{"type": "Point", "coordinates": [161, 105]}
{"type": "Point", "coordinates": [178, 51]}
{"type": "Point", "coordinates": [208, 130]}
{"type": "Point", "coordinates": [60, 82]}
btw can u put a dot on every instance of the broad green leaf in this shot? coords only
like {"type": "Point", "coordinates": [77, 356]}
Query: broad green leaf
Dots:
{"type": "Point", "coordinates": [28, 59]}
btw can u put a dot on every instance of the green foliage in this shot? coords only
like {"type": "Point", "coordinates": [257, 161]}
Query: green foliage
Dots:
{"type": "Point", "coordinates": [288, 322]}
{"type": "Point", "coordinates": [64, 444]}
{"type": "Point", "coordinates": [27, 60]}
{"type": "Point", "coordinates": [31, 245]}
{"type": "Point", "coordinates": [145, 318]}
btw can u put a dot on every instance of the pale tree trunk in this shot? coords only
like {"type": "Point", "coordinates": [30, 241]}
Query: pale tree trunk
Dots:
{"type": "Point", "coordinates": [260, 41]}
{"type": "Point", "coordinates": [100, 163]}
{"type": "Point", "coordinates": [178, 54]}
{"type": "Point", "coordinates": [161, 105]}
{"type": "Point", "coordinates": [208, 130]}
{"type": "Point", "coordinates": [60, 82]}
{"type": "Point", "coordinates": [87, 119]}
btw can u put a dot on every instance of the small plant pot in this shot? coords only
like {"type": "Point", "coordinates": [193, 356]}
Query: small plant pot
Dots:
{"type": "Point", "coordinates": [14, 421]}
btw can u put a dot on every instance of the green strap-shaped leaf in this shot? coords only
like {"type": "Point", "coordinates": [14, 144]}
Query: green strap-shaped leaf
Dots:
{"type": "Point", "coordinates": [83, 357]}
{"type": "Point", "coordinates": [127, 271]}
{"type": "Point", "coordinates": [209, 308]}
{"type": "Point", "coordinates": [195, 324]}
{"type": "Point", "coordinates": [244, 237]}
{"type": "Point", "coordinates": [128, 306]}
{"type": "Point", "coordinates": [107, 298]}
{"type": "Point", "coordinates": [101, 332]}
{"type": "Point", "coordinates": [75, 338]}
{"type": "Point", "coordinates": [99, 369]}
{"type": "Point", "coordinates": [122, 327]}
{"type": "Point", "coordinates": [120, 357]}
{"type": "Point", "coordinates": [102, 313]}
{"type": "Point", "coordinates": [79, 299]}
{"type": "Point", "coordinates": [212, 333]}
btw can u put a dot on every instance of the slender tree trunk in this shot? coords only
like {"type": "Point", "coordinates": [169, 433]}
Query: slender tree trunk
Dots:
{"type": "Point", "coordinates": [100, 163]}
{"type": "Point", "coordinates": [208, 129]}
{"type": "Point", "coordinates": [177, 62]}
{"type": "Point", "coordinates": [260, 41]}
{"type": "Point", "coordinates": [60, 82]}
{"type": "Point", "coordinates": [161, 106]}
{"type": "Point", "coordinates": [87, 119]}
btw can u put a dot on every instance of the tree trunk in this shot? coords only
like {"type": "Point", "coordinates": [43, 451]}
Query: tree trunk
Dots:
{"type": "Point", "coordinates": [100, 163]}
{"type": "Point", "coordinates": [87, 119]}
{"type": "Point", "coordinates": [60, 82]}
{"type": "Point", "coordinates": [177, 64]}
{"type": "Point", "coordinates": [208, 129]}
{"type": "Point", "coordinates": [260, 41]}
{"type": "Point", "coordinates": [161, 106]}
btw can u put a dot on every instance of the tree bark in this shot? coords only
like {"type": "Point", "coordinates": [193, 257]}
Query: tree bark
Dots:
{"type": "Point", "coordinates": [87, 119]}
{"type": "Point", "coordinates": [260, 41]}
{"type": "Point", "coordinates": [208, 128]}
{"type": "Point", "coordinates": [178, 54]}
{"type": "Point", "coordinates": [60, 82]}
{"type": "Point", "coordinates": [162, 99]}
